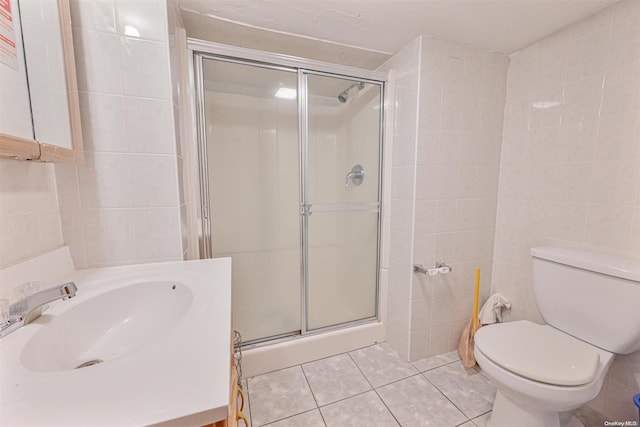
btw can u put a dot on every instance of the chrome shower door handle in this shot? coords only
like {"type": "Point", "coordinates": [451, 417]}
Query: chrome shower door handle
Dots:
{"type": "Point", "coordinates": [356, 176]}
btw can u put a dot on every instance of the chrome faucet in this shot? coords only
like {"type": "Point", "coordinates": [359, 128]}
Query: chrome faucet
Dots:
{"type": "Point", "coordinates": [28, 309]}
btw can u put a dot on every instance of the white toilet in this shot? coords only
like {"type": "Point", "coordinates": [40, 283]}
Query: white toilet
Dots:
{"type": "Point", "coordinates": [591, 303]}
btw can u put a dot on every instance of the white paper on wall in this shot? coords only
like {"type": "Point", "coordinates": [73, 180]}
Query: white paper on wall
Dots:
{"type": "Point", "coordinates": [8, 50]}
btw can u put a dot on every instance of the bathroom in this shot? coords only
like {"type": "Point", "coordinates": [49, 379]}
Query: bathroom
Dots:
{"type": "Point", "coordinates": [489, 151]}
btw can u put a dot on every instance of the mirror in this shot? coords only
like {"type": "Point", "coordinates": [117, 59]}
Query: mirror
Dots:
{"type": "Point", "coordinates": [15, 106]}
{"type": "Point", "coordinates": [40, 119]}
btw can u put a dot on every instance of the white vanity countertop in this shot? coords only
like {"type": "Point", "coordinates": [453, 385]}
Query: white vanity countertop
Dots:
{"type": "Point", "coordinates": [181, 378]}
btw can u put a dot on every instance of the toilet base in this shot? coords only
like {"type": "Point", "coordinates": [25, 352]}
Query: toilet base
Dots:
{"type": "Point", "coordinates": [508, 413]}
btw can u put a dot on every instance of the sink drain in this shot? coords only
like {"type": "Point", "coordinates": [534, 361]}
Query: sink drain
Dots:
{"type": "Point", "coordinates": [89, 363]}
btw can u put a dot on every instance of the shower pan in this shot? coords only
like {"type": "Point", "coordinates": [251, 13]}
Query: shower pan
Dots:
{"type": "Point", "coordinates": [290, 187]}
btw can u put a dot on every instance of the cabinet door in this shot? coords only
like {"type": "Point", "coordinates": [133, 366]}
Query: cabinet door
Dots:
{"type": "Point", "coordinates": [16, 130]}
{"type": "Point", "coordinates": [53, 90]}
{"type": "Point", "coordinates": [50, 123]}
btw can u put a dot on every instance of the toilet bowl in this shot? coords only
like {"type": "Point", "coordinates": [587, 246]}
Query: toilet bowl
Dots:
{"type": "Point", "coordinates": [527, 394]}
{"type": "Point", "coordinates": [543, 372]}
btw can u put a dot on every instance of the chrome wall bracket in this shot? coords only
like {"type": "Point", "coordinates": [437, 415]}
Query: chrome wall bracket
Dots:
{"type": "Point", "coordinates": [440, 268]}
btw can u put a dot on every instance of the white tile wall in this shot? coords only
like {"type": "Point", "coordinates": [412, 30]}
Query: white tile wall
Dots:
{"type": "Point", "coordinates": [122, 206]}
{"type": "Point", "coordinates": [29, 214]}
{"type": "Point", "coordinates": [139, 18]}
{"type": "Point", "coordinates": [144, 66]}
{"type": "Point", "coordinates": [570, 172]}
{"type": "Point", "coordinates": [460, 127]}
{"type": "Point", "coordinates": [406, 65]}
{"type": "Point", "coordinates": [445, 168]}
{"type": "Point", "coordinates": [184, 131]}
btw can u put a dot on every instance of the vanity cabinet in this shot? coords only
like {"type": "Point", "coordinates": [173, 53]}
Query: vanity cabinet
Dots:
{"type": "Point", "coordinates": [236, 398]}
{"type": "Point", "coordinates": [232, 421]}
{"type": "Point", "coordinates": [39, 107]}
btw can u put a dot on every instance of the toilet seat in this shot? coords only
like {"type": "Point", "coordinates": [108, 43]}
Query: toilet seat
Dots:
{"type": "Point", "coordinates": [538, 352]}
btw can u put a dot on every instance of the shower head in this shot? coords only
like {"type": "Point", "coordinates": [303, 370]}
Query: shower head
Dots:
{"type": "Point", "coordinates": [344, 95]}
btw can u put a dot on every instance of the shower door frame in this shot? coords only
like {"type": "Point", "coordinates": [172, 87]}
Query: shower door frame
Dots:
{"type": "Point", "coordinates": [199, 50]}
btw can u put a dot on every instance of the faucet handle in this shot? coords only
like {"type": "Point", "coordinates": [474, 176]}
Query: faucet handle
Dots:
{"type": "Point", "coordinates": [23, 291]}
{"type": "Point", "coordinates": [27, 289]}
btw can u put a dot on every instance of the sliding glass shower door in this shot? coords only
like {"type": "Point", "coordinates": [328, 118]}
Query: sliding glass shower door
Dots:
{"type": "Point", "coordinates": [290, 175]}
{"type": "Point", "coordinates": [252, 164]}
{"type": "Point", "coordinates": [341, 198]}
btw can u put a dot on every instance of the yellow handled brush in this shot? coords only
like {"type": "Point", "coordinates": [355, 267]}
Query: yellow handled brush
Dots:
{"type": "Point", "coordinates": [465, 348]}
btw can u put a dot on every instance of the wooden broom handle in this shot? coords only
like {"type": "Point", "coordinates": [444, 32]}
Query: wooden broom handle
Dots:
{"type": "Point", "coordinates": [476, 296]}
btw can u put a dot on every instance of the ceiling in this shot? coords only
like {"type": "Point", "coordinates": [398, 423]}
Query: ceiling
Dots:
{"type": "Point", "coordinates": [233, 34]}
{"type": "Point", "coordinates": [386, 26]}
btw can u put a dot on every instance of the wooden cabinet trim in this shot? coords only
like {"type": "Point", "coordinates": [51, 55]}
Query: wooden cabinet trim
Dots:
{"type": "Point", "coordinates": [232, 420]}
{"type": "Point", "coordinates": [14, 147]}
{"type": "Point", "coordinates": [53, 153]}
{"type": "Point", "coordinates": [64, 12]}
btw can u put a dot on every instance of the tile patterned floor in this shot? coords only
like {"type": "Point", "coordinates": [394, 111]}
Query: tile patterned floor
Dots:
{"type": "Point", "coordinates": [375, 387]}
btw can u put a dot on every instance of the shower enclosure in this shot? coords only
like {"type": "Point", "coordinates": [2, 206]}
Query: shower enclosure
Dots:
{"type": "Point", "coordinates": [290, 174]}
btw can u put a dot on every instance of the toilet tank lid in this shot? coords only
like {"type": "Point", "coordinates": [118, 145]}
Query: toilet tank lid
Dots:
{"type": "Point", "coordinates": [611, 265]}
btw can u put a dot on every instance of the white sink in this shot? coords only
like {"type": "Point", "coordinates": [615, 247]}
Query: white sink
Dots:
{"type": "Point", "coordinates": [107, 326]}
{"type": "Point", "coordinates": [161, 331]}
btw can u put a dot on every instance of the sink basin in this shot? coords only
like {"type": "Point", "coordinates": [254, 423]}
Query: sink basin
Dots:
{"type": "Point", "coordinates": [107, 326]}
{"type": "Point", "coordinates": [138, 345]}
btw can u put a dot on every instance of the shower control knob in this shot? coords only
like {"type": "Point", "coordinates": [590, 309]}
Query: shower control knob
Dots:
{"type": "Point", "coordinates": [356, 176]}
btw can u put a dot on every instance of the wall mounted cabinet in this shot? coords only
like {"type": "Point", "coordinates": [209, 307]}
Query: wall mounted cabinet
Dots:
{"type": "Point", "coordinates": [39, 109]}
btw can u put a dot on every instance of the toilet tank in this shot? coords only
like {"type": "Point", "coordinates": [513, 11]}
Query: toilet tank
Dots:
{"type": "Point", "coordinates": [592, 296]}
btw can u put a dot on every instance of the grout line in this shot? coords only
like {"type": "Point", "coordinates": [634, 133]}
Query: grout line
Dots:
{"type": "Point", "coordinates": [388, 409]}
{"type": "Point", "coordinates": [355, 362]}
{"type": "Point", "coordinates": [435, 367]}
{"type": "Point", "coordinates": [276, 370]}
{"type": "Point", "coordinates": [346, 398]}
{"type": "Point", "coordinates": [322, 417]}
{"type": "Point", "coordinates": [375, 391]}
{"type": "Point", "coordinates": [312, 361]}
{"type": "Point", "coordinates": [279, 419]}
{"type": "Point", "coordinates": [309, 385]}
{"type": "Point", "coordinates": [460, 409]}
{"type": "Point", "coordinates": [481, 415]}
{"type": "Point", "coordinates": [314, 399]}
{"type": "Point", "coordinates": [398, 380]}
{"type": "Point", "coordinates": [248, 402]}
{"type": "Point", "coordinates": [340, 354]}
{"type": "Point", "coordinates": [361, 372]}
{"type": "Point", "coordinates": [286, 418]}
{"type": "Point", "coordinates": [447, 397]}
